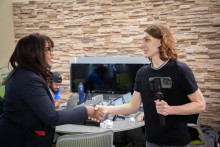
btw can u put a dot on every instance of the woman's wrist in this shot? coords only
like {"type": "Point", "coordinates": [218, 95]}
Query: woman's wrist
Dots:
{"type": "Point", "coordinates": [90, 111]}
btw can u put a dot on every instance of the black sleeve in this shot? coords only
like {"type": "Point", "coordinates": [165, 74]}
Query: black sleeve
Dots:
{"type": "Point", "coordinates": [188, 82]}
{"type": "Point", "coordinates": [136, 84]}
{"type": "Point", "coordinates": [37, 98]}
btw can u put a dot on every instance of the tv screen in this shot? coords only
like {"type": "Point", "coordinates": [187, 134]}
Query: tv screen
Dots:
{"type": "Point", "coordinates": [104, 78]}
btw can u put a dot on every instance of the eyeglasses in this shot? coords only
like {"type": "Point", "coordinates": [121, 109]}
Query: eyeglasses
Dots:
{"type": "Point", "coordinates": [50, 49]}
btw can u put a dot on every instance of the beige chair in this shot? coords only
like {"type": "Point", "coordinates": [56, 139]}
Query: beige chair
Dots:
{"type": "Point", "coordinates": [99, 139]}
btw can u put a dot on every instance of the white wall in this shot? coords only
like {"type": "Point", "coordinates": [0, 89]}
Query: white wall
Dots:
{"type": "Point", "coordinates": [7, 43]}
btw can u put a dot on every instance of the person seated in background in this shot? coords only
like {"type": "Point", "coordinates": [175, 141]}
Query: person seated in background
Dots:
{"type": "Point", "coordinates": [29, 117]}
{"type": "Point", "coordinates": [57, 80]}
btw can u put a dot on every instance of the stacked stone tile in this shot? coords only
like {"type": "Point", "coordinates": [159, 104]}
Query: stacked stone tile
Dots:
{"type": "Point", "coordinates": [115, 27]}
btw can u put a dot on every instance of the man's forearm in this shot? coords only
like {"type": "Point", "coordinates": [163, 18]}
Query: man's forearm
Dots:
{"type": "Point", "coordinates": [187, 109]}
{"type": "Point", "coordinates": [122, 109]}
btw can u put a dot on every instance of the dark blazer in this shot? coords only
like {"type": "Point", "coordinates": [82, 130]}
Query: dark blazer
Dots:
{"type": "Point", "coordinates": [29, 116]}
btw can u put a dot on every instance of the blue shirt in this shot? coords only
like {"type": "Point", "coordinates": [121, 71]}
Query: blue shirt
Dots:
{"type": "Point", "coordinates": [57, 95]}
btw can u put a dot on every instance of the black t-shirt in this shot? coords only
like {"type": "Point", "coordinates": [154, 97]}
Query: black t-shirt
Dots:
{"type": "Point", "coordinates": [183, 83]}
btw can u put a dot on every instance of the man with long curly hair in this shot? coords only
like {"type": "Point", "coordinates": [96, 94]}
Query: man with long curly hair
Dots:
{"type": "Point", "coordinates": [182, 99]}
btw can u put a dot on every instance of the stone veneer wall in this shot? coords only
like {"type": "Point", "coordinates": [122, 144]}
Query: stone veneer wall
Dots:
{"type": "Point", "coordinates": [115, 28]}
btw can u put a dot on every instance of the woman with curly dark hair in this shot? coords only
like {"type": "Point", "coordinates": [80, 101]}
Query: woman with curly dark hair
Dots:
{"type": "Point", "coordinates": [166, 119]}
{"type": "Point", "coordinates": [29, 116]}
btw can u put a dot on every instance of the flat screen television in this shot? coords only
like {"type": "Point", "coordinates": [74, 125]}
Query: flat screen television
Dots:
{"type": "Point", "coordinates": [113, 75]}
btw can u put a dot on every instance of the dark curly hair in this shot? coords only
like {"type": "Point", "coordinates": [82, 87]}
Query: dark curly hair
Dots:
{"type": "Point", "coordinates": [29, 54]}
{"type": "Point", "coordinates": [168, 46]}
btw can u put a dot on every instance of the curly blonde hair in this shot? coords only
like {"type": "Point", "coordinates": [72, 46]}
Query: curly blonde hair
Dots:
{"type": "Point", "coordinates": [167, 49]}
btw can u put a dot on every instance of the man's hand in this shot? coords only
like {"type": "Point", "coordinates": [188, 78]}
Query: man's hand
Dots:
{"type": "Point", "coordinates": [140, 117]}
{"type": "Point", "coordinates": [100, 112]}
{"type": "Point", "coordinates": [94, 114]}
{"type": "Point", "coordinates": [101, 109]}
{"type": "Point", "coordinates": [57, 103]}
{"type": "Point", "coordinates": [162, 107]}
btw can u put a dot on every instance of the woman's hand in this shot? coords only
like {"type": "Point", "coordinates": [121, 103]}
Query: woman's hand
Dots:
{"type": "Point", "coordinates": [95, 113]}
